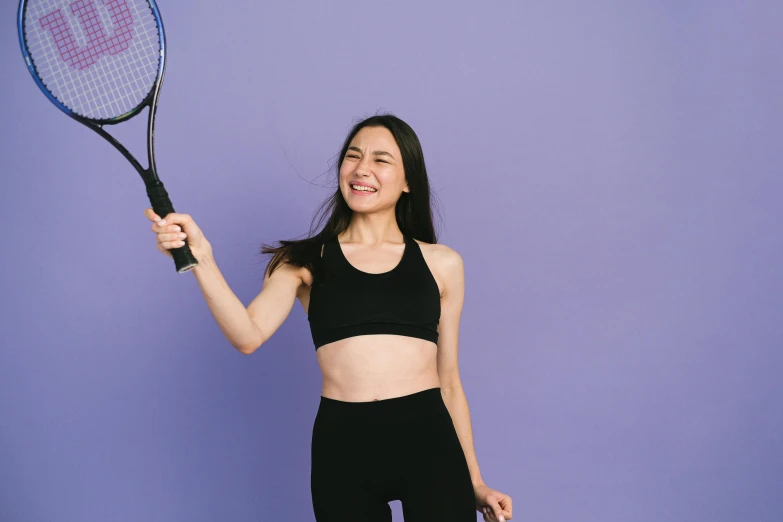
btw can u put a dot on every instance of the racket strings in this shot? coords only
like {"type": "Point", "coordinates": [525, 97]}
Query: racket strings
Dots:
{"type": "Point", "coordinates": [99, 67]}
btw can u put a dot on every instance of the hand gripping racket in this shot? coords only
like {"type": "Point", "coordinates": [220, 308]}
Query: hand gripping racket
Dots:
{"type": "Point", "coordinates": [102, 62]}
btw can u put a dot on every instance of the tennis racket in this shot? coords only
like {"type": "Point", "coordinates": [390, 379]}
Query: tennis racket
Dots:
{"type": "Point", "coordinates": [102, 62]}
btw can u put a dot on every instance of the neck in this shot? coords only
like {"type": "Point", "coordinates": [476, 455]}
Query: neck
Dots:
{"type": "Point", "coordinates": [372, 229]}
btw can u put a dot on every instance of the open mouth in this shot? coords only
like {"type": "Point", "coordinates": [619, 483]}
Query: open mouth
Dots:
{"type": "Point", "coordinates": [362, 190]}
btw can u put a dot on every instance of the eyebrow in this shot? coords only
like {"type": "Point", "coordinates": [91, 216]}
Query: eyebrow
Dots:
{"type": "Point", "coordinates": [377, 152]}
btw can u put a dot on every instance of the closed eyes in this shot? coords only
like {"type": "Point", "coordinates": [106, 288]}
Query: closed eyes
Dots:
{"type": "Point", "coordinates": [357, 157]}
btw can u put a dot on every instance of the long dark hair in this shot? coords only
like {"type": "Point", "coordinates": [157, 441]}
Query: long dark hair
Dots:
{"type": "Point", "coordinates": [413, 210]}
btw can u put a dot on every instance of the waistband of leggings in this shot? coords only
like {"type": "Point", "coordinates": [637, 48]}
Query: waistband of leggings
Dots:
{"type": "Point", "coordinates": [406, 405]}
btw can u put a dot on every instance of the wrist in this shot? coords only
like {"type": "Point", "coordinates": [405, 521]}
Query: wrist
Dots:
{"type": "Point", "coordinates": [204, 257]}
{"type": "Point", "coordinates": [204, 252]}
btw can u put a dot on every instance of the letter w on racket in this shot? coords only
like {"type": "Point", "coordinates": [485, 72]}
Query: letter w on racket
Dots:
{"type": "Point", "coordinates": [98, 42]}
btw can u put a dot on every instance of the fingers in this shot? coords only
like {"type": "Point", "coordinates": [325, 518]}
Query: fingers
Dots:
{"type": "Point", "coordinates": [169, 234]}
{"type": "Point", "coordinates": [173, 217]}
{"type": "Point", "coordinates": [168, 241]}
{"type": "Point", "coordinates": [505, 504]}
{"type": "Point", "coordinates": [151, 215]}
{"type": "Point", "coordinates": [171, 223]}
{"type": "Point", "coordinates": [158, 229]}
{"type": "Point", "coordinates": [491, 516]}
{"type": "Point", "coordinates": [168, 245]}
{"type": "Point", "coordinates": [493, 511]}
{"type": "Point", "coordinates": [177, 237]}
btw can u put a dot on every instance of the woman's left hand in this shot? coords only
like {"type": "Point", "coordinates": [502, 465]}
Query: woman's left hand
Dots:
{"type": "Point", "coordinates": [494, 505]}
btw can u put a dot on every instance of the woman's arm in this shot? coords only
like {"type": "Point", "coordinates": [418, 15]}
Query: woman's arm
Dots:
{"type": "Point", "coordinates": [245, 328]}
{"type": "Point", "coordinates": [457, 404]}
{"type": "Point", "coordinates": [452, 273]}
{"type": "Point", "coordinates": [248, 328]}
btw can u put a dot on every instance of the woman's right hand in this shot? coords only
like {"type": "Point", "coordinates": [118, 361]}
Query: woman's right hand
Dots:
{"type": "Point", "coordinates": [174, 230]}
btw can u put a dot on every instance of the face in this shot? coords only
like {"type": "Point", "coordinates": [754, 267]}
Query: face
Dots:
{"type": "Point", "coordinates": [373, 159]}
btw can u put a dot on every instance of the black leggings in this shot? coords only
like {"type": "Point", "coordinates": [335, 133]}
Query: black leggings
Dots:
{"type": "Point", "coordinates": [365, 454]}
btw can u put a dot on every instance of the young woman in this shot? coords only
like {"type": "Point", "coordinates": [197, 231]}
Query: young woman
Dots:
{"type": "Point", "coordinates": [383, 301]}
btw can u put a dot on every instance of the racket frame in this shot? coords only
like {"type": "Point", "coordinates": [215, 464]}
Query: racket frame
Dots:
{"type": "Point", "coordinates": [184, 259]}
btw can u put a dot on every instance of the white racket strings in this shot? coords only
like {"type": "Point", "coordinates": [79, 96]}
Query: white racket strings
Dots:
{"type": "Point", "coordinates": [99, 58]}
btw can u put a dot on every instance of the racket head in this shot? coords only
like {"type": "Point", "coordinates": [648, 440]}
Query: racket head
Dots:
{"type": "Point", "coordinates": [100, 61]}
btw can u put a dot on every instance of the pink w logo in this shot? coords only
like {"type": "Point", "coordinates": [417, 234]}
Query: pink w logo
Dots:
{"type": "Point", "coordinates": [98, 42]}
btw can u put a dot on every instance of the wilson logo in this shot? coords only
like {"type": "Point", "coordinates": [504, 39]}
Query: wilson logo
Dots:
{"type": "Point", "coordinates": [98, 42]}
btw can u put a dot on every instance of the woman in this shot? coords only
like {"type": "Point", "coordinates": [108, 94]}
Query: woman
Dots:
{"type": "Point", "coordinates": [384, 308]}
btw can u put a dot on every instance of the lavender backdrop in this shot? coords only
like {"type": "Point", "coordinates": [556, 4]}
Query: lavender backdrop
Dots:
{"type": "Point", "coordinates": [610, 172]}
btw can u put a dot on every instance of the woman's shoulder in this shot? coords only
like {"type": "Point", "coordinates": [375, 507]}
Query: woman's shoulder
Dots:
{"type": "Point", "coordinates": [444, 262]}
{"type": "Point", "coordinates": [439, 251]}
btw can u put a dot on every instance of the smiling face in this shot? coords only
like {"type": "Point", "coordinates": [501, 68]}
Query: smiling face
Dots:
{"type": "Point", "coordinates": [373, 159]}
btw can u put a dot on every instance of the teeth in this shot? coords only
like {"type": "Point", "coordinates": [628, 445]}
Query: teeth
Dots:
{"type": "Point", "coordinates": [359, 187]}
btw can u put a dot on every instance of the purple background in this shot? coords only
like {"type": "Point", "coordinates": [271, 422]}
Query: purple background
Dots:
{"type": "Point", "coordinates": [609, 171]}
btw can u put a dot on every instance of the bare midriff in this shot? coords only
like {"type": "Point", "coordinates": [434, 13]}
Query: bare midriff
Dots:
{"type": "Point", "coordinates": [376, 367]}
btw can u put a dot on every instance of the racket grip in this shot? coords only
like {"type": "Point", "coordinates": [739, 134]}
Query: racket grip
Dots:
{"type": "Point", "coordinates": [184, 259]}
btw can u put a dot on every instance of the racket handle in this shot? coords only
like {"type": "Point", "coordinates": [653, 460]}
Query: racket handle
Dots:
{"type": "Point", "coordinates": [184, 259]}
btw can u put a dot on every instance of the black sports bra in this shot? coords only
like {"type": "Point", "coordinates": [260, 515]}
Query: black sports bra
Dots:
{"type": "Point", "coordinates": [346, 301]}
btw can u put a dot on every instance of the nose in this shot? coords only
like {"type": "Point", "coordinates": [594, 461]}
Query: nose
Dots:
{"type": "Point", "coordinates": [363, 167]}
